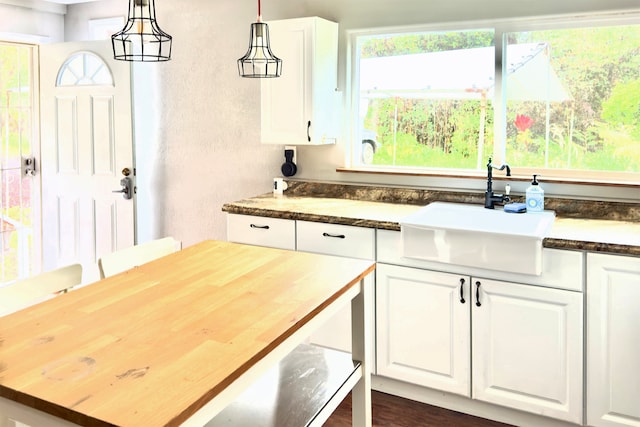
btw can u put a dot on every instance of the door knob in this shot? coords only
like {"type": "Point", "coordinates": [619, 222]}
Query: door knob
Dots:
{"type": "Point", "coordinates": [126, 189]}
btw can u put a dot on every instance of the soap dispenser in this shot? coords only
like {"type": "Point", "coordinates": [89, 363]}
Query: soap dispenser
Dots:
{"type": "Point", "coordinates": [535, 196]}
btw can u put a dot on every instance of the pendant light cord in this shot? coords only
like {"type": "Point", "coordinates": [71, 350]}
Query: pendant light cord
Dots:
{"type": "Point", "coordinates": [259, 12]}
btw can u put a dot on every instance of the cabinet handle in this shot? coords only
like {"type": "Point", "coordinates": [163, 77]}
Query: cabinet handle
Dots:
{"type": "Point", "coordinates": [262, 227]}
{"type": "Point", "coordinates": [336, 236]}
{"type": "Point", "coordinates": [462, 291]}
{"type": "Point", "coordinates": [309, 130]}
{"type": "Point", "coordinates": [478, 294]}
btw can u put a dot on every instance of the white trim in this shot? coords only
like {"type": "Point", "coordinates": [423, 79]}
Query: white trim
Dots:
{"type": "Point", "coordinates": [101, 29]}
{"type": "Point", "coordinates": [506, 24]}
{"type": "Point", "coordinates": [39, 5]}
{"type": "Point", "coordinates": [464, 404]}
{"type": "Point", "coordinates": [24, 38]}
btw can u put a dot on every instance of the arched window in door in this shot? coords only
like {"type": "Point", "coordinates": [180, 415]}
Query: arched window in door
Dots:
{"type": "Point", "coordinates": [84, 69]}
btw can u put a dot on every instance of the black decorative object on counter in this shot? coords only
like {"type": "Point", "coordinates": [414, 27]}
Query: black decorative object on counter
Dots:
{"type": "Point", "coordinates": [288, 167]}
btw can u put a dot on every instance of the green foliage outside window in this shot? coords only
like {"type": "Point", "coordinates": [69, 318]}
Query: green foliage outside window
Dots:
{"type": "Point", "coordinates": [16, 133]}
{"type": "Point", "coordinates": [427, 132]}
{"type": "Point", "coordinates": [596, 129]}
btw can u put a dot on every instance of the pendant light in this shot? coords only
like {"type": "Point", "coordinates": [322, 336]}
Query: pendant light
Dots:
{"type": "Point", "coordinates": [259, 61]}
{"type": "Point", "coordinates": [141, 39]}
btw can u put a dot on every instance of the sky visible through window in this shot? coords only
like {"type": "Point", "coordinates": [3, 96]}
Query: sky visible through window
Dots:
{"type": "Point", "coordinates": [571, 97]}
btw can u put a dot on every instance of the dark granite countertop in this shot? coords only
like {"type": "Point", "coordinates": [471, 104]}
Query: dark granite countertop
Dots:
{"type": "Point", "coordinates": [579, 225]}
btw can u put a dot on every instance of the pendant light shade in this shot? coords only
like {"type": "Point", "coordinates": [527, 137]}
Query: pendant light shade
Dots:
{"type": "Point", "coordinates": [259, 61]}
{"type": "Point", "coordinates": [141, 39]}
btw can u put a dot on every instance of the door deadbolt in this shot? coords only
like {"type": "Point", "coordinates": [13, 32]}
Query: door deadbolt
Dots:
{"type": "Point", "coordinates": [127, 189]}
{"type": "Point", "coordinates": [126, 171]}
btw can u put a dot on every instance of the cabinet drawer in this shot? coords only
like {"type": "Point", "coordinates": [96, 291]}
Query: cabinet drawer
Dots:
{"type": "Point", "coordinates": [339, 240]}
{"type": "Point", "coordinates": [261, 231]}
{"type": "Point", "coordinates": [561, 269]}
{"type": "Point", "coordinates": [335, 239]}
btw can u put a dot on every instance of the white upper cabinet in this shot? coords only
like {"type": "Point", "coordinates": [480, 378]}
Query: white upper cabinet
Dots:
{"type": "Point", "coordinates": [302, 106]}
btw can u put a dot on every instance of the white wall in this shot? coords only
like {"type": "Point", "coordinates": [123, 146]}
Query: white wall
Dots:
{"type": "Point", "coordinates": [206, 148]}
{"type": "Point", "coordinates": [76, 22]}
{"type": "Point", "coordinates": [31, 21]}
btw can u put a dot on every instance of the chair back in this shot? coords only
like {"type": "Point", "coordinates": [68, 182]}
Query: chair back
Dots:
{"type": "Point", "coordinates": [33, 290]}
{"type": "Point", "coordinates": [134, 256]}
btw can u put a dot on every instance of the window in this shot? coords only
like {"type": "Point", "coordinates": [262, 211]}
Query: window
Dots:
{"type": "Point", "coordinates": [578, 106]}
{"type": "Point", "coordinates": [565, 101]}
{"type": "Point", "coordinates": [426, 97]}
{"type": "Point", "coordinates": [17, 142]}
{"type": "Point", "coordinates": [84, 69]}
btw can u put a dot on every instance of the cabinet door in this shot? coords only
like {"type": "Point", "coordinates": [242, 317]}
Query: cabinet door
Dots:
{"type": "Point", "coordinates": [423, 328]}
{"type": "Point", "coordinates": [527, 348]}
{"type": "Point", "coordinates": [613, 340]}
{"type": "Point", "coordinates": [299, 107]}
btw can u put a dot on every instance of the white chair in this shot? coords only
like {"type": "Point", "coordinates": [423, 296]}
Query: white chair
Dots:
{"type": "Point", "coordinates": [125, 259]}
{"type": "Point", "coordinates": [24, 293]}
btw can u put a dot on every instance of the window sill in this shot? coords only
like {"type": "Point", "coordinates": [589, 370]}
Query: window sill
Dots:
{"type": "Point", "coordinates": [523, 174]}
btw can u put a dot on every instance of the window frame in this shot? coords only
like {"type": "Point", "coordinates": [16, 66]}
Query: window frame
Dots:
{"type": "Point", "coordinates": [29, 261]}
{"type": "Point", "coordinates": [501, 27]}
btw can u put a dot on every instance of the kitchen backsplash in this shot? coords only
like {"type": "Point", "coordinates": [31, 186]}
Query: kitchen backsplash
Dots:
{"type": "Point", "coordinates": [566, 208]}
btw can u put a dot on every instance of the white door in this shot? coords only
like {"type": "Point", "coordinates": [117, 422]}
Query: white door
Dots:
{"type": "Point", "coordinates": [613, 340]}
{"type": "Point", "coordinates": [86, 150]}
{"type": "Point", "coordinates": [527, 348]}
{"type": "Point", "coordinates": [423, 327]}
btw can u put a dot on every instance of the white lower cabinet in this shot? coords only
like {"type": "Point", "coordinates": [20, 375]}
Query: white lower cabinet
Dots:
{"type": "Point", "coordinates": [507, 339]}
{"type": "Point", "coordinates": [316, 237]}
{"type": "Point", "coordinates": [527, 346]}
{"type": "Point", "coordinates": [511, 344]}
{"type": "Point", "coordinates": [339, 240]}
{"type": "Point", "coordinates": [613, 340]}
{"type": "Point", "coordinates": [261, 231]}
{"type": "Point", "coordinates": [336, 239]}
{"type": "Point", "coordinates": [422, 328]}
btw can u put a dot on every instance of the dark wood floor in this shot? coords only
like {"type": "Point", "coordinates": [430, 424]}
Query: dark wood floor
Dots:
{"type": "Point", "coordinates": [393, 411]}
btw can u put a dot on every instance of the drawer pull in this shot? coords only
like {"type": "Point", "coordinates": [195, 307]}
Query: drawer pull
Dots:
{"type": "Point", "coordinates": [478, 294]}
{"type": "Point", "coordinates": [262, 227]}
{"type": "Point", "coordinates": [336, 236]}
{"type": "Point", "coordinates": [462, 301]}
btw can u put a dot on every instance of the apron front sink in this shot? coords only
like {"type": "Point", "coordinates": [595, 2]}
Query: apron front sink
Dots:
{"type": "Point", "coordinates": [470, 235]}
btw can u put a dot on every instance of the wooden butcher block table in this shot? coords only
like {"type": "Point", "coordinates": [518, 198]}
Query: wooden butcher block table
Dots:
{"type": "Point", "coordinates": [177, 340]}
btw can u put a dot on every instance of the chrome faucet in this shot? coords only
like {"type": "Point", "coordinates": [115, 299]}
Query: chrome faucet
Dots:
{"type": "Point", "coordinates": [490, 199]}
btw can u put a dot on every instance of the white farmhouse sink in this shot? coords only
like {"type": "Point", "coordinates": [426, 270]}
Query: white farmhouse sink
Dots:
{"type": "Point", "coordinates": [470, 235]}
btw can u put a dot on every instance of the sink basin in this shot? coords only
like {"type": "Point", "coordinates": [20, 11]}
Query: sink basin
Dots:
{"type": "Point", "coordinates": [470, 235]}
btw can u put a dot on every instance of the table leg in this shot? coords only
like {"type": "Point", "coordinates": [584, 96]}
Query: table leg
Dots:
{"type": "Point", "coordinates": [362, 330]}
